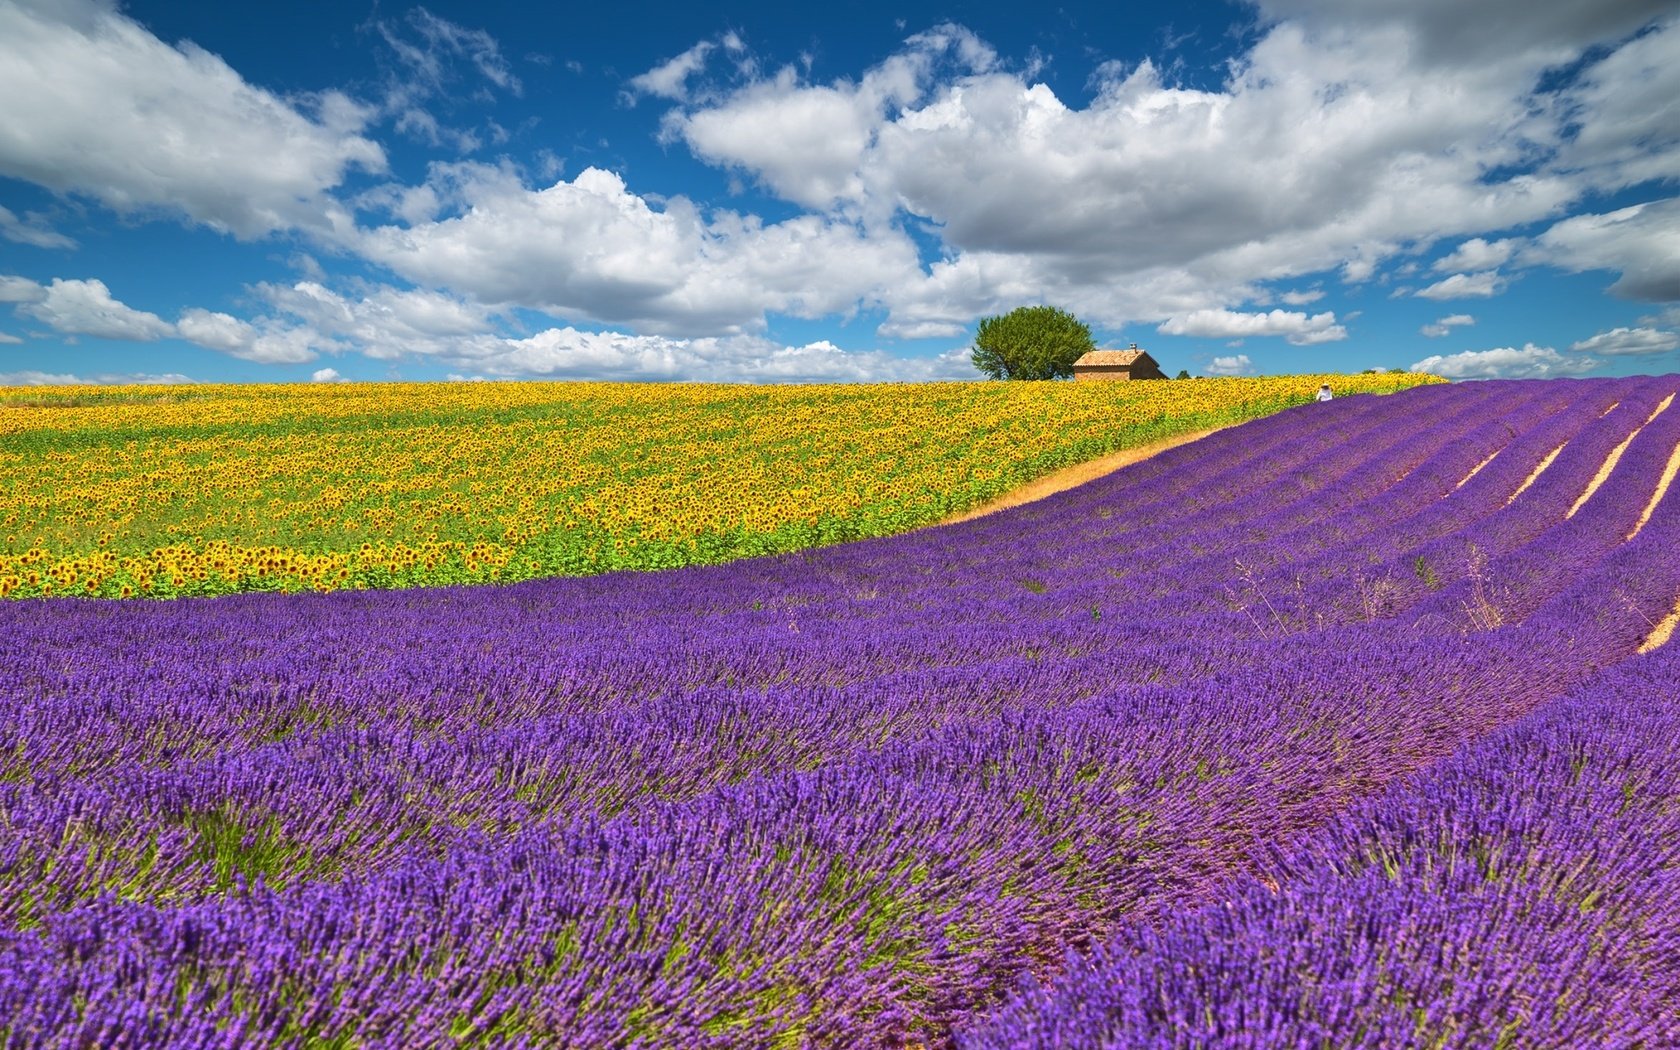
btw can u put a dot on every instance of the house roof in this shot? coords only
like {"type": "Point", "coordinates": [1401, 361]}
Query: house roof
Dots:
{"type": "Point", "coordinates": [1111, 357]}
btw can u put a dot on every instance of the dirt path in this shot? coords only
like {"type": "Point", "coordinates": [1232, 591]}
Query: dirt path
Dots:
{"type": "Point", "coordinates": [1615, 457]}
{"type": "Point", "coordinates": [1078, 474]}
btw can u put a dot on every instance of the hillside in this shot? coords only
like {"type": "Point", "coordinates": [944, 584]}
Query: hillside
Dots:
{"type": "Point", "coordinates": [200, 490]}
{"type": "Point", "coordinates": [1330, 727]}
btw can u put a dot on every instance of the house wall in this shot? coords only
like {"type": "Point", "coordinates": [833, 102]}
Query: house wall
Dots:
{"type": "Point", "coordinates": [1102, 372]}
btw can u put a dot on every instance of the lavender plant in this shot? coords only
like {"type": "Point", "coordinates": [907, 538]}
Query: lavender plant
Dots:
{"type": "Point", "coordinates": [858, 796]}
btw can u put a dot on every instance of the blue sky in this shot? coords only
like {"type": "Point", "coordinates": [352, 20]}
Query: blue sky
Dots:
{"type": "Point", "coordinates": [769, 192]}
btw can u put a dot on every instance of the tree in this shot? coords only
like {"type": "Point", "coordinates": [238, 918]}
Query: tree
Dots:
{"type": "Point", "coordinates": [1183, 373]}
{"type": "Point", "coordinates": [1031, 342]}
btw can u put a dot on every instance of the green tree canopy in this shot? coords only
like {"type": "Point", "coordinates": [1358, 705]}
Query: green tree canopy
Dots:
{"type": "Point", "coordinates": [1031, 342]}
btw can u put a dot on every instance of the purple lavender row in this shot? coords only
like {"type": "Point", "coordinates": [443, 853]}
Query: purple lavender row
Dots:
{"type": "Point", "coordinates": [276, 725]}
{"type": "Point", "coordinates": [1307, 556]}
{"type": "Point", "coordinates": [723, 767]}
{"type": "Point", "coordinates": [1275, 558]}
{"type": "Point", "coordinates": [1025, 832]}
{"type": "Point", "coordinates": [1492, 568]}
{"type": "Point", "coordinates": [1522, 894]}
{"type": "Point", "coordinates": [655, 777]}
{"type": "Point", "coordinates": [1318, 452]}
{"type": "Point", "coordinates": [1168, 580]}
{"type": "Point", "coordinates": [244, 659]}
{"type": "Point", "coordinates": [1226, 486]}
{"type": "Point", "coordinates": [866, 901]}
{"type": "Point", "coordinates": [398, 679]}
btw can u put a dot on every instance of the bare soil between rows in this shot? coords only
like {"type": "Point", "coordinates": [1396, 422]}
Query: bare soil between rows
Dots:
{"type": "Point", "coordinates": [1076, 475]}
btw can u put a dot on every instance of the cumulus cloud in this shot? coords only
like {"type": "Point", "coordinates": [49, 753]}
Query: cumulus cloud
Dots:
{"type": "Point", "coordinates": [807, 142]}
{"type": "Point", "coordinates": [1312, 154]}
{"type": "Point", "coordinates": [87, 308]}
{"type": "Point", "coordinates": [14, 289]}
{"type": "Point", "coordinates": [591, 249]}
{"type": "Point", "coordinates": [1624, 130]}
{"type": "Point", "coordinates": [1297, 327]}
{"type": "Point", "coordinates": [1477, 254]}
{"type": "Point", "coordinates": [385, 323]}
{"type": "Point", "coordinates": [1230, 366]}
{"type": "Point", "coordinates": [1506, 362]}
{"type": "Point", "coordinates": [1321, 151]}
{"type": "Point", "coordinates": [1497, 32]}
{"type": "Point", "coordinates": [569, 353]}
{"type": "Point", "coordinates": [1640, 242]}
{"type": "Point", "coordinates": [270, 343]}
{"type": "Point", "coordinates": [1344, 136]}
{"type": "Point", "coordinates": [326, 375]}
{"type": "Point", "coordinates": [96, 105]}
{"type": "Point", "coordinates": [1629, 341]}
{"type": "Point", "coordinates": [1446, 324]}
{"type": "Point", "coordinates": [1482, 285]}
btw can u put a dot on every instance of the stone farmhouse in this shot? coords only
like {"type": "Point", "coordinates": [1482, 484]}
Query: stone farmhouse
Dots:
{"type": "Point", "coordinates": [1117, 364]}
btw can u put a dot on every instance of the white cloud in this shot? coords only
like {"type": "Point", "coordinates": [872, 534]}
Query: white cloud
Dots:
{"type": "Point", "coordinates": [808, 142]}
{"type": "Point", "coordinates": [803, 142]}
{"type": "Point", "coordinates": [215, 331]}
{"type": "Point", "coordinates": [1642, 242]}
{"type": "Point", "coordinates": [1300, 329]}
{"type": "Point", "coordinates": [569, 353]}
{"type": "Point", "coordinates": [1477, 254]}
{"type": "Point", "coordinates": [1625, 341]}
{"type": "Point", "coordinates": [1230, 366]}
{"type": "Point", "coordinates": [1323, 150]}
{"type": "Point", "coordinates": [1481, 285]}
{"type": "Point", "coordinates": [385, 324]}
{"type": "Point", "coordinates": [1455, 35]}
{"type": "Point", "coordinates": [590, 249]}
{"type": "Point", "coordinates": [37, 378]}
{"type": "Point", "coordinates": [269, 343]}
{"type": "Point", "coordinates": [326, 375]}
{"type": "Point", "coordinates": [9, 339]}
{"type": "Point", "coordinates": [1530, 362]}
{"type": "Point", "coordinates": [20, 290]}
{"type": "Point", "coordinates": [1346, 135]}
{"type": "Point", "coordinates": [1622, 113]}
{"type": "Point", "coordinates": [97, 105]}
{"type": "Point", "coordinates": [87, 308]}
{"type": "Point", "coordinates": [669, 79]}
{"type": "Point", "coordinates": [30, 231]}
{"type": "Point", "coordinates": [1446, 324]}
{"type": "Point", "coordinates": [389, 323]}
{"type": "Point", "coordinates": [1314, 155]}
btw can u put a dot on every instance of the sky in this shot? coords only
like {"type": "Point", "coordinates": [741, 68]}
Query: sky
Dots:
{"type": "Point", "coordinates": [342, 190]}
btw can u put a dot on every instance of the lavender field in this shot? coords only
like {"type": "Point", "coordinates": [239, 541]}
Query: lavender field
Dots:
{"type": "Point", "coordinates": [1332, 729]}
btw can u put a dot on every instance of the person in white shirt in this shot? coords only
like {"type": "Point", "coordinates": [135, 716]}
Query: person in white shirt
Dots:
{"type": "Point", "coordinates": [1324, 392]}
